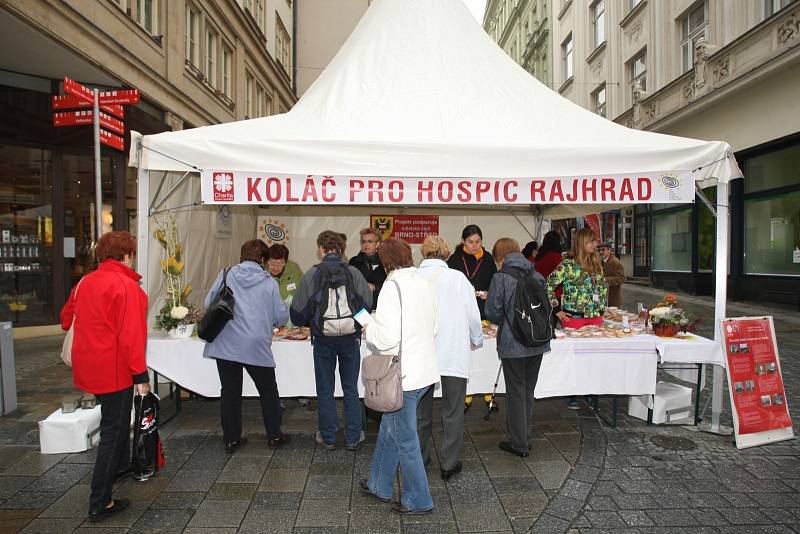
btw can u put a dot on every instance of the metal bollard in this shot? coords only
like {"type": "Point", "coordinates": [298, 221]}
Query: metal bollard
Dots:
{"type": "Point", "coordinates": [8, 373]}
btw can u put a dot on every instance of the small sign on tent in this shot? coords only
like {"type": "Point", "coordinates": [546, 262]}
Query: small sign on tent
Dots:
{"type": "Point", "coordinates": [412, 228]}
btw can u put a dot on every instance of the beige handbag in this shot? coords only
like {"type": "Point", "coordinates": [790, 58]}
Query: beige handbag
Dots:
{"type": "Point", "coordinates": [382, 375]}
{"type": "Point", "coordinates": [66, 348]}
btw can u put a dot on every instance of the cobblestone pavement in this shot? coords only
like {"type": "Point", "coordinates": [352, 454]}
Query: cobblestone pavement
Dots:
{"type": "Point", "coordinates": [582, 476]}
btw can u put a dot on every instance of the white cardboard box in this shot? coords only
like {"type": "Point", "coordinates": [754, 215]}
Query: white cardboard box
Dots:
{"type": "Point", "coordinates": [669, 397]}
{"type": "Point", "coordinates": [69, 432]}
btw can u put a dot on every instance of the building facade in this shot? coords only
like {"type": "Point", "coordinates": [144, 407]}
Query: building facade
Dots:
{"type": "Point", "coordinates": [322, 28]}
{"type": "Point", "coordinates": [707, 69]}
{"type": "Point", "coordinates": [523, 28]}
{"type": "Point", "coordinates": [194, 62]}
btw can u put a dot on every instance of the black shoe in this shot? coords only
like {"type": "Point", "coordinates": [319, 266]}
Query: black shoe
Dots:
{"type": "Point", "coordinates": [365, 489]}
{"type": "Point", "coordinates": [506, 446]}
{"type": "Point", "coordinates": [117, 506]}
{"type": "Point", "coordinates": [447, 473]}
{"type": "Point", "coordinates": [279, 442]}
{"type": "Point", "coordinates": [398, 508]}
{"type": "Point", "coordinates": [231, 446]}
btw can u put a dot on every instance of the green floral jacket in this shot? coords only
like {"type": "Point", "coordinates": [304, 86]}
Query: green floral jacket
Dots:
{"type": "Point", "coordinates": [579, 289]}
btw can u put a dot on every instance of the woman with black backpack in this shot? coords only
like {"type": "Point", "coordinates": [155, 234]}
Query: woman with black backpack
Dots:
{"type": "Point", "coordinates": [520, 362]}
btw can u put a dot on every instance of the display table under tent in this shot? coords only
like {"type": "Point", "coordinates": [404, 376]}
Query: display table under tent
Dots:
{"type": "Point", "coordinates": [598, 366]}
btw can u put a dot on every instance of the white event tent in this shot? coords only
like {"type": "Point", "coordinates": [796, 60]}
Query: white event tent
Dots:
{"type": "Point", "coordinates": [421, 107]}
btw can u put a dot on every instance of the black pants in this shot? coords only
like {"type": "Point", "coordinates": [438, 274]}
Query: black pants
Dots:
{"type": "Point", "coordinates": [114, 450]}
{"type": "Point", "coordinates": [453, 391]}
{"type": "Point", "coordinates": [230, 376]}
{"type": "Point", "coordinates": [520, 375]}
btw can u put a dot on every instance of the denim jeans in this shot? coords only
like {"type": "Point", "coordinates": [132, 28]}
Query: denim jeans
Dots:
{"type": "Point", "coordinates": [398, 446]}
{"type": "Point", "coordinates": [326, 353]}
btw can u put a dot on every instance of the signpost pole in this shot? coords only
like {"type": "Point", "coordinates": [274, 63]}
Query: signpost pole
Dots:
{"type": "Point", "coordinates": [98, 179]}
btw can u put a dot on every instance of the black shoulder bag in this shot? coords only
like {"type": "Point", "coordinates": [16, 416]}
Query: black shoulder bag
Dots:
{"type": "Point", "coordinates": [218, 313]}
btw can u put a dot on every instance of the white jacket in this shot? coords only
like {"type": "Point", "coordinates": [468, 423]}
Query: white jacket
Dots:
{"type": "Point", "coordinates": [459, 317]}
{"type": "Point", "coordinates": [420, 324]}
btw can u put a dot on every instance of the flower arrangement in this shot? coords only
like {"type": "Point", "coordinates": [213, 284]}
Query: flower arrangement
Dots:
{"type": "Point", "coordinates": [177, 316]}
{"type": "Point", "coordinates": [668, 319]}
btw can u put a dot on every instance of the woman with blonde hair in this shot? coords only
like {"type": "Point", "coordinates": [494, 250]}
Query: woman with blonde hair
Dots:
{"type": "Point", "coordinates": [585, 292]}
{"type": "Point", "coordinates": [459, 331]}
{"type": "Point", "coordinates": [520, 363]}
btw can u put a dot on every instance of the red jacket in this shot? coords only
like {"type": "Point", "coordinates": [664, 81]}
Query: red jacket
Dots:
{"type": "Point", "coordinates": [110, 335]}
{"type": "Point", "coordinates": [547, 264]}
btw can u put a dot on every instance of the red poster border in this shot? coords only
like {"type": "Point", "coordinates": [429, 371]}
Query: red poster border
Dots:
{"type": "Point", "coordinates": [779, 425]}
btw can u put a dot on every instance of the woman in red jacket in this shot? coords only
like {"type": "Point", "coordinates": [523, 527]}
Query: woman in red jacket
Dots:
{"type": "Point", "coordinates": [548, 257]}
{"type": "Point", "coordinates": [108, 357]}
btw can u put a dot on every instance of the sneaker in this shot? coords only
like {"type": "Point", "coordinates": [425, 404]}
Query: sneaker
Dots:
{"type": "Point", "coordinates": [354, 446]}
{"type": "Point", "coordinates": [573, 404]}
{"type": "Point", "coordinates": [326, 446]}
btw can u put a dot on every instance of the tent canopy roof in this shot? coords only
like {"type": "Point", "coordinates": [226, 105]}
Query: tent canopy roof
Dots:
{"type": "Point", "coordinates": [419, 89]}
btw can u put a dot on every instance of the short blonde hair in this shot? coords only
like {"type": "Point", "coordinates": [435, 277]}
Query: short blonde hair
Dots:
{"type": "Point", "coordinates": [435, 246]}
{"type": "Point", "coordinates": [503, 247]}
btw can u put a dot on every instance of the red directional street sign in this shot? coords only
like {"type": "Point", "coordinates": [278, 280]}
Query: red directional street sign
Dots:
{"type": "Point", "coordinates": [81, 118]}
{"type": "Point", "coordinates": [72, 102]}
{"type": "Point", "coordinates": [127, 96]}
{"type": "Point", "coordinates": [114, 141]}
{"type": "Point", "coordinates": [81, 91]}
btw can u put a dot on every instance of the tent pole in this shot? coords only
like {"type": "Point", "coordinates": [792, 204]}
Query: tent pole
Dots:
{"type": "Point", "coordinates": [720, 299]}
{"type": "Point", "coordinates": [142, 222]}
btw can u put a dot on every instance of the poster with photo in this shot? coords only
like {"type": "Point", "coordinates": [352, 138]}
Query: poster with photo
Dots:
{"type": "Point", "coordinates": [758, 398]}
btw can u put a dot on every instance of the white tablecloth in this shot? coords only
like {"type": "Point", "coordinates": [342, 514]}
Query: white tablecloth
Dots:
{"type": "Point", "coordinates": [680, 356]}
{"type": "Point", "coordinates": [573, 367]}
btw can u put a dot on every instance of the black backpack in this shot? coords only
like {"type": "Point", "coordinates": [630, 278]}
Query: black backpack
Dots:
{"type": "Point", "coordinates": [531, 318]}
{"type": "Point", "coordinates": [335, 302]}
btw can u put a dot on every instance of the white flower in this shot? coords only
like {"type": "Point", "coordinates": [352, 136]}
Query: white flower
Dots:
{"type": "Point", "coordinates": [662, 311]}
{"type": "Point", "coordinates": [179, 312]}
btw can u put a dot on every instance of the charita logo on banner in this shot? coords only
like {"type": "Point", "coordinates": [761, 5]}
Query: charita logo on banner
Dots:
{"type": "Point", "coordinates": [223, 186]}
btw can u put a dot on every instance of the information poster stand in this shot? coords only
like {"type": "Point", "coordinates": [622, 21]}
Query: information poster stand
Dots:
{"type": "Point", "coordinates": [755, 382]}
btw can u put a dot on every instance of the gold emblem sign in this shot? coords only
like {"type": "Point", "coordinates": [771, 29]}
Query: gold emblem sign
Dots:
{"type": "Point", "coordinates": [384, 224]}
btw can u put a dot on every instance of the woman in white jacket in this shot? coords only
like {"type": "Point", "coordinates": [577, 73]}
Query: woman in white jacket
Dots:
{"type": "Point", "coordinates": [398, 442]}
{"type": "Point", "coordinates": [459, 331]}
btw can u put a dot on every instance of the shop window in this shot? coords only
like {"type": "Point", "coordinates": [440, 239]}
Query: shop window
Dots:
{"type": "Point", "coordinates": [694, 25]}
{"type": "Point", "coordinates": [672, 241]}
{"type": "Point", "coordinates": [777, 169]}
{"type": "Point", "coordinates": [26, 236]}
{"type": "Point", "coordinates": [772, 235]}
{"type": "Point", "coordinates": [706, 232]}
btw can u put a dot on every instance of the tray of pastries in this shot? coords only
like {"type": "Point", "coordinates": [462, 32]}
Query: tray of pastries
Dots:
{"type": "Point", "coordinates": [300, 333]}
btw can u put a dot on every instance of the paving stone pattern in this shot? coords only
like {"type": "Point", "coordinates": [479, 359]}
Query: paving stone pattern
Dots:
{"type": "Point", "coordinates": [581, 476]}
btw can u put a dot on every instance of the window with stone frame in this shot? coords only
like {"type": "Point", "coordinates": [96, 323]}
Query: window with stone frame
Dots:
{"type": "Point", "coordinates": [694, 25]}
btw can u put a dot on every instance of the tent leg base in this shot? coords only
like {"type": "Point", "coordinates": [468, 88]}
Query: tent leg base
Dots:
{"type": "Point", "coordinates": [722, 430]}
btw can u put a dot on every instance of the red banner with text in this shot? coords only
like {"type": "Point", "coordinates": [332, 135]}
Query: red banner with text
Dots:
{"type": "Point", "coordinates": [239, 187]}
{"type": "Point", "coordinates": [754, 374]}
